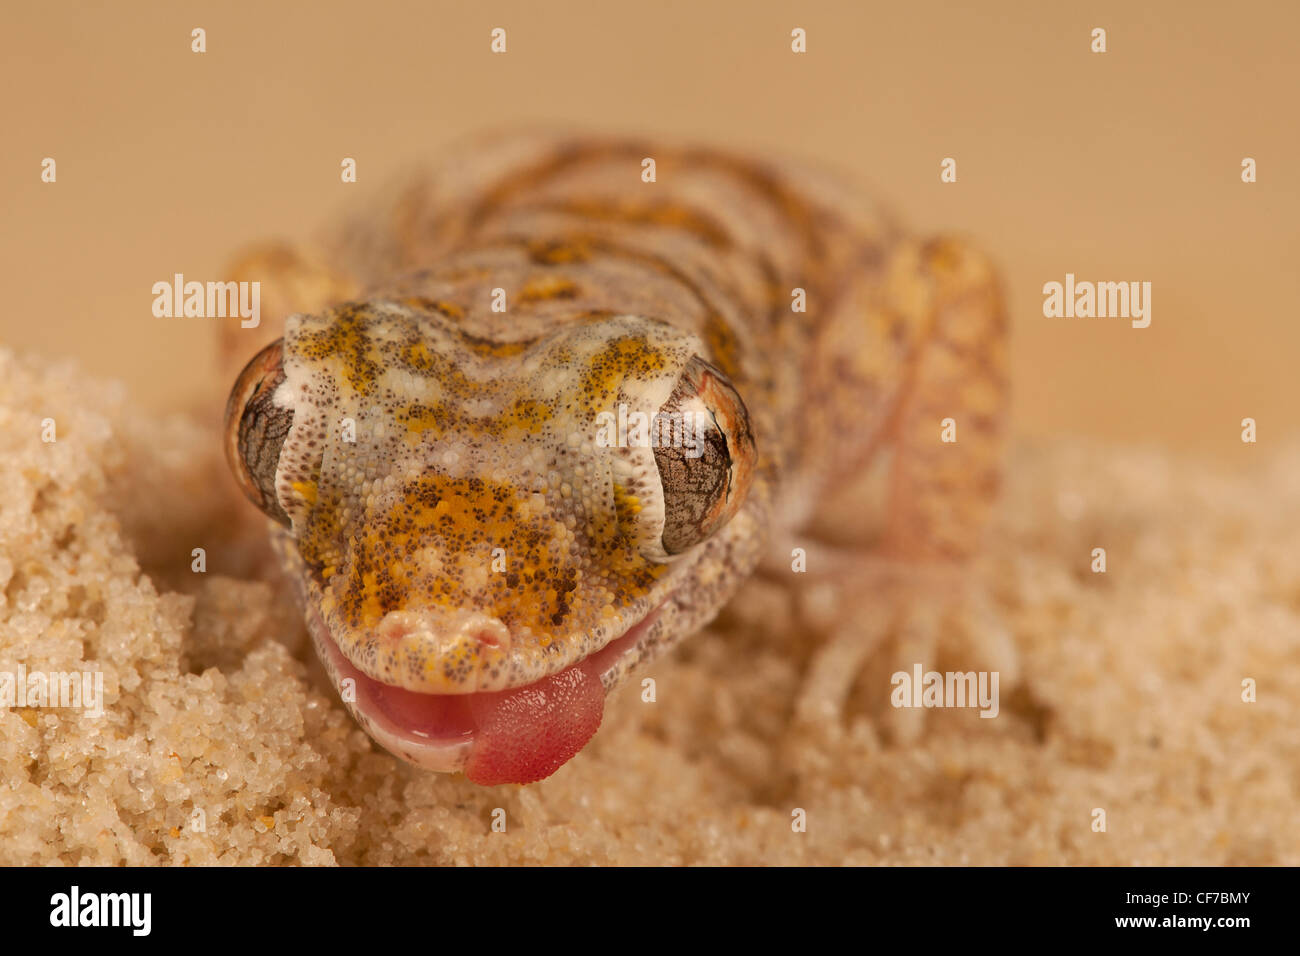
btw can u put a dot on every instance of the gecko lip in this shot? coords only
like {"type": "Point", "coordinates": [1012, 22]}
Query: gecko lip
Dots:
{"type": "Point", "coordinates": [439, 731]}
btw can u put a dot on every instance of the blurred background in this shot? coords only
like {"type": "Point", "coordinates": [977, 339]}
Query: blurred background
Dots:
{"type": "Point", "coordinates": [1117, 166]}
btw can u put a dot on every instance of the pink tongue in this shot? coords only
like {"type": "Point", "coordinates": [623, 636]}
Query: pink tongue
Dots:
{"type": "Point", "coordinates": [525, 734]}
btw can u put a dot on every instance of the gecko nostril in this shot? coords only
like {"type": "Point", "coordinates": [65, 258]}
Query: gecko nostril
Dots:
{"type": "Point", "coordinates": [442, 631]}
{"type": "Point", "coordinates": [395, 630]}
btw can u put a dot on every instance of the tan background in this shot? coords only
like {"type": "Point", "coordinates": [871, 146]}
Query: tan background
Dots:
{"type": "Point", "coordinates": [1123, 166]}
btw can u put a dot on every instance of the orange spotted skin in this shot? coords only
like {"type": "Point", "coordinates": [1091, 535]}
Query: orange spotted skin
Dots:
{"type": "Point", "coordinates": [455, 521]}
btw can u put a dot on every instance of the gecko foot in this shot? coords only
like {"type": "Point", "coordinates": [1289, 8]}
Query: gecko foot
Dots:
{"type": "Point", "coordinates": [924, 619]}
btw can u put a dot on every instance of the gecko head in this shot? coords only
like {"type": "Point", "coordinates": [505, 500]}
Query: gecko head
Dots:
{"type": "Point", "coordinates": [488, 531]}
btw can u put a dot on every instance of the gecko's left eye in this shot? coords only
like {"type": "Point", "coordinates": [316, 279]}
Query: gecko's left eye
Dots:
{"type": "Point", "coordinates": [706, 474]}
{"type": "Point", "coordinates": [256, 428]}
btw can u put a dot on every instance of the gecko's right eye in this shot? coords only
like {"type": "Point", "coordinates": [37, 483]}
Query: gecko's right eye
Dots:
{"type": "Point", "coordinates": [256, 428]}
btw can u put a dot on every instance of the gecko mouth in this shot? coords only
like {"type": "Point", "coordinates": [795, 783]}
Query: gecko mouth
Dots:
{"type": "Point", "coordinates": [519, 735]}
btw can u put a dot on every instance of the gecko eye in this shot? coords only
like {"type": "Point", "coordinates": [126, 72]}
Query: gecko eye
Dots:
{"type": "Point", "coordinates": [256, 428]}
{"type": "Point", "coordinates": [706, 469]}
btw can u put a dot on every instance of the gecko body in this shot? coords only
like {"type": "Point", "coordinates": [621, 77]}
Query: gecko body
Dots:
{"type": "Point", "coordinates": [480, 564]}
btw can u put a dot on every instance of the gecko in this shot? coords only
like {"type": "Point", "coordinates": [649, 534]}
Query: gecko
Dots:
{"type": "Point", "coordinates": [480, 558]}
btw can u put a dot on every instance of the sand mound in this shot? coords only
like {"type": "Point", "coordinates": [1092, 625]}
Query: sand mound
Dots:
{"type": "Point", "coordinates": [1122, 691]}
